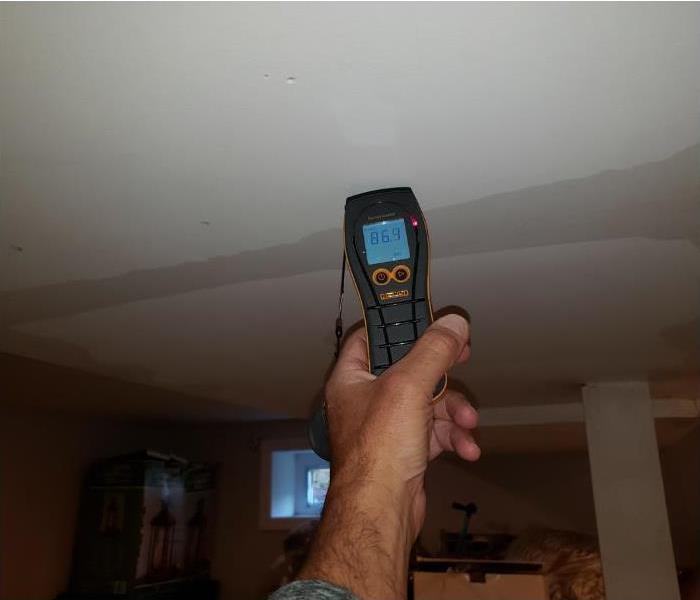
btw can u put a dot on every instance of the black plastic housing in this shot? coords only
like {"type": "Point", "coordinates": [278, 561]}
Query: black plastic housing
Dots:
{"type": "Point", "coordinates": [398, 311]}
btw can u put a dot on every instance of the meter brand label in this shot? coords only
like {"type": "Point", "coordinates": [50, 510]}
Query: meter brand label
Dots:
{"type": "Point", "coordinates": [393, 295]}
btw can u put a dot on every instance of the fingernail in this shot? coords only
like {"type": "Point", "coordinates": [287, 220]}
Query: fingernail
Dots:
{"type": "Point", "coordinates": [455, 323]}
{"type": "Point", "coordinates": [475, 451]}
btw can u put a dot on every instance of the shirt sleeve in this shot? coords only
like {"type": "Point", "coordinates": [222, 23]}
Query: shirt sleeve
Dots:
{"type": "Point", "coordinates": [312, 589]}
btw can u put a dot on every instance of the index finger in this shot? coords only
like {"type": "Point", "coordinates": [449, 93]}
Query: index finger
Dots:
{"type": "Point", "coordinates": [440, 347]}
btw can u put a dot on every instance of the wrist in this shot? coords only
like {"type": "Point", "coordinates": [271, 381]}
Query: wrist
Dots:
{"type": "Point", "coordinates": [365, 537]}
{"type": "Point", "coordinates": [381, 495]}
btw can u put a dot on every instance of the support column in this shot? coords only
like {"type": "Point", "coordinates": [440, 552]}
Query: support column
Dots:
{"type": "Point", "coordinates": [630, 506]}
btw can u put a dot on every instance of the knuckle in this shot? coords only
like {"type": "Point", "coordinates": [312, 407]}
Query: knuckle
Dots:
{"type": "Point", "coordinates": [442, 341]}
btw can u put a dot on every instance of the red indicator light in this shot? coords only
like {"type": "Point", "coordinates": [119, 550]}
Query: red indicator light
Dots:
{"type": "Point", "coordinates": [414, 221]}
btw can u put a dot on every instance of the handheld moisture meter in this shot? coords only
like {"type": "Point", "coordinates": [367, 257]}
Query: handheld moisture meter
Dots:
{"type": "Point", "coordinates": [387, 248]}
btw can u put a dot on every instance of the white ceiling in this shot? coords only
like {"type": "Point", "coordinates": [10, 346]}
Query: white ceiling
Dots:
{"type": "Point", "coordinates": [173, 178]}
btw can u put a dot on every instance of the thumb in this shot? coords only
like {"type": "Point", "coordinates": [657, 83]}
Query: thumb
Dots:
{"type": "Point", "coordinates": [435, 352]}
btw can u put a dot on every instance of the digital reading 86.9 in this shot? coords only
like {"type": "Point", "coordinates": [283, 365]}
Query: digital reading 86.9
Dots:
{"type": "Point", "coordinates": [386, 241]}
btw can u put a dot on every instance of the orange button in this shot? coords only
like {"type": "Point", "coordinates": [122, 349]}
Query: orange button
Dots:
{"type": "Point", "coordinates": [401, 273]}
{"type": "Point", "coordinates": [381, 276]}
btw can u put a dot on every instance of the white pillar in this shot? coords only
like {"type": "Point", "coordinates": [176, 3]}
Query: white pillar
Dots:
{"type": "Point", "coordinates": [633, 530]}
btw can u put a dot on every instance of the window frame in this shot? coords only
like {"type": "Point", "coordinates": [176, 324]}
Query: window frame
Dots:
{"type": "Point", "coordinates": [265, 520]}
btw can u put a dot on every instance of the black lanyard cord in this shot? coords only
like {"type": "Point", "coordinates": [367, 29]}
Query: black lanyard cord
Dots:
{"type": "Point", "coordinates": [339, 319]}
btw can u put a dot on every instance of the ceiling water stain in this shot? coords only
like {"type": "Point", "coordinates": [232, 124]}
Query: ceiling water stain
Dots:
{"type": "Point", "coordinates": [658, 200]}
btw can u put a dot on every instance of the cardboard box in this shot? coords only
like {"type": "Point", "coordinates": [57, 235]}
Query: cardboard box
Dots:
{"type": "Point", "coordinates": [497, 586]}
{"type": "Point", "coordinates": [145, 519]}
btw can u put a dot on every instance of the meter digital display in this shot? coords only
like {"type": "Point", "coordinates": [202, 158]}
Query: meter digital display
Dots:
{"type": "Point", "coordinates": [386, 241]}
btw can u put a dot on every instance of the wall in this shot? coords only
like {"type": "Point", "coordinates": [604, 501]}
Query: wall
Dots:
{"type": "Point", "coordinates": [243, 554]}
{"type": "Point", "coordinates": [680, 467]}
{"type": "Point", "coordinates": [512, 493]}
{"type": "Point", "coordinates": [44, 455]}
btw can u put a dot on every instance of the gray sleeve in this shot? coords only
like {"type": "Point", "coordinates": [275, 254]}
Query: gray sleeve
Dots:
{"type": "Point", "coordinates": [312, 589]}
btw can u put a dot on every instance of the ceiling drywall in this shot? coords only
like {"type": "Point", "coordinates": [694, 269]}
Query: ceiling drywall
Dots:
{"type": "Point", "coordinates": [173, 179]}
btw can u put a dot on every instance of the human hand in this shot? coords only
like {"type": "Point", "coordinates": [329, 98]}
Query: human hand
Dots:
{"type": "Point", "coordinates": [388, 427]}
{"type": "Point", "coordinates": [383, 431]}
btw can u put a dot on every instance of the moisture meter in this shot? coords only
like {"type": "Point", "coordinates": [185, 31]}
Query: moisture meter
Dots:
{"type": "Point", "coordinates": [387, 248]}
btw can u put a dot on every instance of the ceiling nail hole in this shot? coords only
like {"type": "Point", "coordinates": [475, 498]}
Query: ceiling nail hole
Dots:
{"type": "Point", "coordinates": [205, 223]}
{"type": "Point", "coordinates": [291, 80]}
{"type": "Point", "coordinates": [16, 248]}
{"type": "Point", "coordinates": [266, 76]}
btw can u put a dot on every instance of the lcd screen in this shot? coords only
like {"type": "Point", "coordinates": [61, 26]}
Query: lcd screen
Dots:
{"type": "Point", "coordinates": [386, 241]}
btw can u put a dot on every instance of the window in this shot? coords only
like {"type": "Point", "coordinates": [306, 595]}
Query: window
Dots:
{"type": "Point", "coordinates": [317, 480]}
{"type": "Point", "coordinates": [293, 486]}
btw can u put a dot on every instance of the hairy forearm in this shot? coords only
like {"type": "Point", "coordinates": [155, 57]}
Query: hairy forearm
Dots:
{"type": "Point", "coordinates": [364, 540]}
